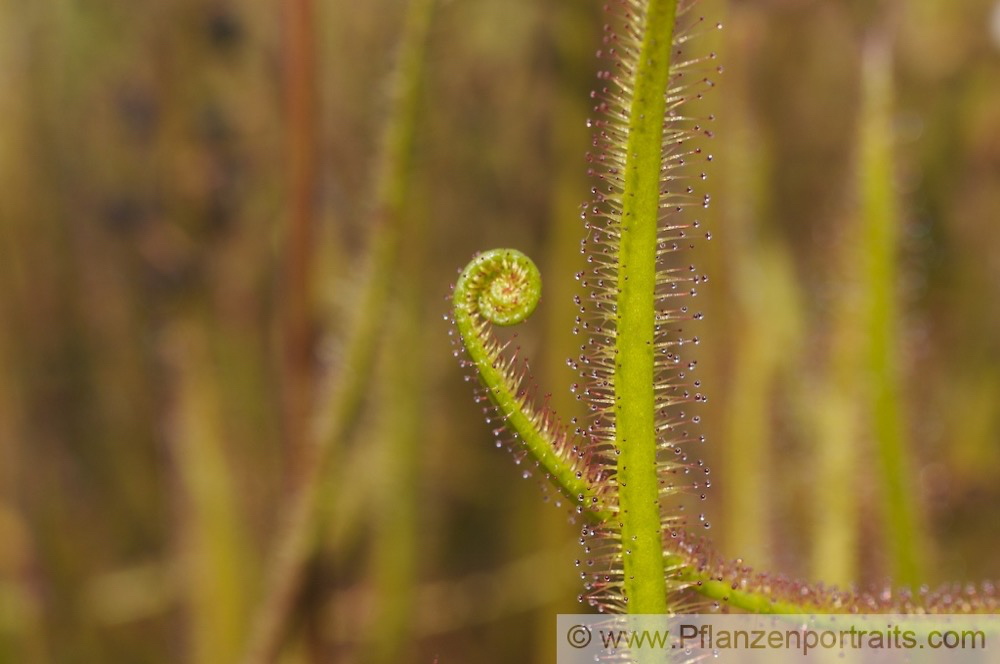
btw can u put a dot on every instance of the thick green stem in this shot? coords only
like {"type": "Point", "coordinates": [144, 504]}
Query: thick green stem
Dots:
{"type": "Point", "coordinates": [634, 398]}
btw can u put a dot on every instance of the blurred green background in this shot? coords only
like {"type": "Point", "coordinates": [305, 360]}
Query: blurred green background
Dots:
{"type": "Point", "coordinates": [185, 220]}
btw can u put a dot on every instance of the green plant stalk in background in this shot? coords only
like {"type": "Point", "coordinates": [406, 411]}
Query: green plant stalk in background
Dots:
{"type": "Point", "coordinates": [756, 295]}
{"type": "Point", "coordinates": [342, 400]}
{"type": "Point", "coordinates": [215, 551]}
{"type": "Point", "coordinates": [400, 448]}
{"type": "Point", "coordinates": [880, 239]}
{"type": "Point", "coordinates": [396, 495]}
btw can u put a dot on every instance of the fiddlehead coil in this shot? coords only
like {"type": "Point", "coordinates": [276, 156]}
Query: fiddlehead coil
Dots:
{"type": "Point", "coordinates": [503, 287]}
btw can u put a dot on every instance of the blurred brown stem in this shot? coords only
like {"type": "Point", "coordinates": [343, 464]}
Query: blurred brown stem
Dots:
{"type": "Point", "coordinates": [301, 101]}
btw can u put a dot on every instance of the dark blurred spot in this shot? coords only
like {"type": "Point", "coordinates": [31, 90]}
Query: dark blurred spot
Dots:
{"type": "Point", "coordinates": [220, 211]}
{"type": "Point", "coordinates": [123, 215]}
{"type": "Point", "coordinates": [225, 30]}
{"type": "Point", "coordinates": [179, 279]}
{"type": "Point", "coordinates": [138, 111]}
{"type": "Point", "coordinates": [211, 126]}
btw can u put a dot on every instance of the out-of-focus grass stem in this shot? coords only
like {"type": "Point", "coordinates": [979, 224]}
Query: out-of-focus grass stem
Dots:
{"type": "Point", "coordinates": [213, 545]}
{"type": "Point", "coordinates": [880, 235]}
{"type": "Point", "coordinates": [340, 402]}
{"type": "Point", "coordinates": [399, 457]}
{"type": "Point", "coordinates": [835, 413]}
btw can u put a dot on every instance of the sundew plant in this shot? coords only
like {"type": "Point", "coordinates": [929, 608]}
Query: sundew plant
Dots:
{"type": "Point", "coordinates": [626, 466]}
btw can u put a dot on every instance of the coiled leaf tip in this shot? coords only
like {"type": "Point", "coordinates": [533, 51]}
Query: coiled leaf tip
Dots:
{"type": "Point", "coordinates": [501, 285]}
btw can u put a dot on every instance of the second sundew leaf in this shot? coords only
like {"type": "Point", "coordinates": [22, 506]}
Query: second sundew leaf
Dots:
{"type": "Point", "coordinates": [635, 377]}
{"type": "Point", "coordinates": [738, 587]}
